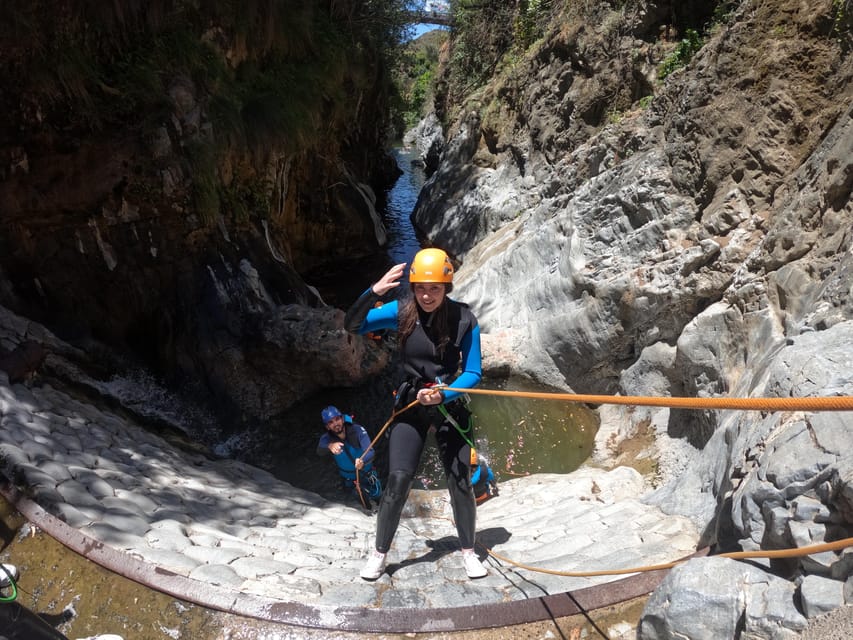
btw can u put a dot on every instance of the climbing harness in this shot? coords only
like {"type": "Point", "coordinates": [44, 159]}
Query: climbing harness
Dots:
{"type": "Point", "coordinates": [465, 433]}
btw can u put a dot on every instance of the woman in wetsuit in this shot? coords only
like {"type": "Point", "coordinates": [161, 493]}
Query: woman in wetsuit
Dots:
{"type": "Point", "coordinates": [437, 336]}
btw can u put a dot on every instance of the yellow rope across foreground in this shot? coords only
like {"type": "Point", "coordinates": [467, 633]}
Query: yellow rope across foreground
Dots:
{"type": "Point", "coordinates": [775, 553]}
{"type": "Point", "coordinates": [836, 403]}
{"type": "Point", "coordinates": [833, 403]}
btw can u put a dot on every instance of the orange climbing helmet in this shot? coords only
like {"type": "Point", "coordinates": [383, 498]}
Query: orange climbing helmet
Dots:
{"type": "Point", "coordinates": [430, 265]}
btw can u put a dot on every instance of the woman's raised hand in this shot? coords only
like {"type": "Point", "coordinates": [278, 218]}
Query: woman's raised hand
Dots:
{"type": "Point", "coordinates": [390, 280]}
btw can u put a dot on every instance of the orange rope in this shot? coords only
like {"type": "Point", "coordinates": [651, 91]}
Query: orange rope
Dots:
{"type": "Point", "coordinates": [388, 424]}
{"type": "Point", "coordinates": [835, 403]}
{"type": "Point", "coordinates": [775, 553]}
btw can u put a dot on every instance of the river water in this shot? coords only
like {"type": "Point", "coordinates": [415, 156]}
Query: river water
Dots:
{"type": "Point", "coordinates": [403, 242]}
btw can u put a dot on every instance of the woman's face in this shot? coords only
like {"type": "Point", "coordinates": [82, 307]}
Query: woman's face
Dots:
{"type": "Point", "coordinates": [429, 295]}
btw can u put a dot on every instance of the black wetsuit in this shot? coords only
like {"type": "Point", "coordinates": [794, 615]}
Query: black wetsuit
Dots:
{"type": "Point", "coordinates": [422, 366]}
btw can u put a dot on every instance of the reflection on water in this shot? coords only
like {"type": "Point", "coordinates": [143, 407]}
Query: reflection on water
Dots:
{"type": "Point", "coordinates": [520, 436]}
{"type": "Point", "coordinates": [403, 243]}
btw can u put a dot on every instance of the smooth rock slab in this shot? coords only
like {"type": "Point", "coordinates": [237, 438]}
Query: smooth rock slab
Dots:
{"type": "Point", "coordinates": [216, 574]}
{"type": "Point", "coordinates": [821, 595]}
{"type": "Point", "coordinates": [708, 597]}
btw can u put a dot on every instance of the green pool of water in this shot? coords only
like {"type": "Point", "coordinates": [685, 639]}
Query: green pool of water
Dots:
{"type": "Point", "coordinates": [521, 436]}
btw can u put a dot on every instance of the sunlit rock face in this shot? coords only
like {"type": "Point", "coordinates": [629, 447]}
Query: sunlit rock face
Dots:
{"type": "Point", "coordinates": [610, 234]}
{"type": "Point", "coordinates": [694, 244]}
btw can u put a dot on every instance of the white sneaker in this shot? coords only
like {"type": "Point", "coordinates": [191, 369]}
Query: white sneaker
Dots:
{"type": "Point", "coordinates": [473, 567]}
{"type": "Point", "coordinates": [103, 636]}
{"type": "Point", "coordinates": [5, 572]}
{"type": "Point", "coordinates": [374, 567]}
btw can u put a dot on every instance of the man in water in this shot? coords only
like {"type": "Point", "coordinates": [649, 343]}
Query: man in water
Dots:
{"type": "Point", "coordinates": [347, 441]}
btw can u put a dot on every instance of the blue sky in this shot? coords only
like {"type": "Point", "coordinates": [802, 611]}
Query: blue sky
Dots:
{"type": "Point", "coordinates": [421, 29]}
{"type": "Point", "coordinates": [430, 5]}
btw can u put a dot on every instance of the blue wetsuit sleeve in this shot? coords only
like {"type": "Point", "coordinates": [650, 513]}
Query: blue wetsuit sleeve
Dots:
{"type": "Point", "coordinates": [363, 443]}
{"type": "Point", "coordinates": [323, 445]}
{"type": "Point", "coordinates": [363, 317]}
{"type": "Point", "coordinates": [384, 317]}
{"type": "Point", "coordinates": [472, 368]}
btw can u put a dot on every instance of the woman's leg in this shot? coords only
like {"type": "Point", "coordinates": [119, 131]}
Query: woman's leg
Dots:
{"type": "Point", "coordinates": [404, 452]}
{"type": "Point", "coordinates": [455, 457]}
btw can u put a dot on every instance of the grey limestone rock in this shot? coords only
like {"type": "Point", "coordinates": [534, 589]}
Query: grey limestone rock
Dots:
{"type": "Point", "coordinates": [720, 599]}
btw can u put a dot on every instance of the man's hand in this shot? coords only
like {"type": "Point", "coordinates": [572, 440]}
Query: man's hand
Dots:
{"type": "Point", "coordinates": [336, 448]}
{"type": "Point", "coordinates": [359, 463]}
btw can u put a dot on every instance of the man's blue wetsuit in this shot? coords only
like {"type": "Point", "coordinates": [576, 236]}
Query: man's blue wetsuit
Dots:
{"type": "Point", "coordinates": [424, 362]}
{"type": "Point", "coordinates": [355, 442]}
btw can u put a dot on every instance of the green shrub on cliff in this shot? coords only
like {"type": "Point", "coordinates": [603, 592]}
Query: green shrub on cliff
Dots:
{"type": "Point", "coordinates": [689, 45]}
{"type": "Point", "coordinates": [414, 77]}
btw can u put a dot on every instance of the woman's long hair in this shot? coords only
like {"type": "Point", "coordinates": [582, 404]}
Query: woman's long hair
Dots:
{"type": "Point", "coordinates": [408, 318]}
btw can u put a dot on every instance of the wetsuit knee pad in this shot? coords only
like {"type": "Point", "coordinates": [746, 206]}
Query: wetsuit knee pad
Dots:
{"type": "Point", "coordinates": [398, 485]}
{"type": "Point", "coordinates": [391, 507]}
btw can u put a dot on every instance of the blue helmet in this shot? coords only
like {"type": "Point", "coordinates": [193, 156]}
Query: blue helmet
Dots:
{"type": "Point", "coordinates": [328, 413]}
